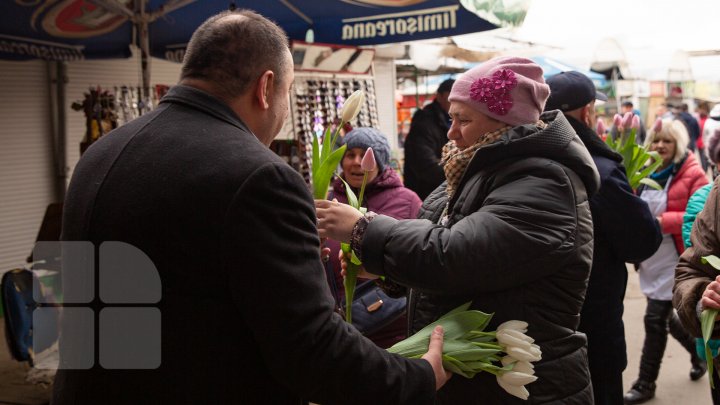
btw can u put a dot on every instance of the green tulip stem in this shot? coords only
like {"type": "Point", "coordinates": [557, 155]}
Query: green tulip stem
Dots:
{"type": "Point", "coordinates": [362, 190]}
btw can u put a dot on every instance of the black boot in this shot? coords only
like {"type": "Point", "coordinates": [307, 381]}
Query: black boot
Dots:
{"type": "Point", "coordinates": [698, 370]}
{"type": "Point", "coordinates": [699, 367]}
{"type": "Point", "coordinates": [641, 391]}
{"type": "Point", "coordinates": [656, 334]}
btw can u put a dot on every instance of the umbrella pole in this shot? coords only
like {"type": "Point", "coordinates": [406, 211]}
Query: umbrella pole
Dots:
{"type": "Point", "coordinates": [144, 36]}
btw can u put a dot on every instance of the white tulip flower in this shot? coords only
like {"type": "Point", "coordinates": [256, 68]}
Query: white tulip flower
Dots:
{"type": "Point", "coordinates": [514, 325]}
{"type": "Point", "coordinates": [516, 378]}
{"type": "Point", "coordinates": [521, 354]}
{"type": "Point", "coordinates": [514, 390]}
{"type": "Point", "coordinates": [524, 367]}
{"type": "Point", "coordinates": [508, 340]}
{"type": "Point", "coordinates": [353, 105]}
{"type": "Point", "coordinates": [519, 335]}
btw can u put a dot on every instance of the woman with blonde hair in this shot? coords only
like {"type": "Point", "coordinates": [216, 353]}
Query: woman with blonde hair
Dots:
{"type": "Point", "coordinates": [680, 175]}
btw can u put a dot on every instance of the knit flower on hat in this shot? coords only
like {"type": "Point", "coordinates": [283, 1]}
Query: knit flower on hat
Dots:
{"type": "Point", "coordinates": [495, 91]}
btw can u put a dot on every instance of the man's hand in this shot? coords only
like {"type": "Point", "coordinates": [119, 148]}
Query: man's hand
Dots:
{"type": "Point", "coordinates": [335, 220]}
{"type": "Point", "coordinates": [434, 357]}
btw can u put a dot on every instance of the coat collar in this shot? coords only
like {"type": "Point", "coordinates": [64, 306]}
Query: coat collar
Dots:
{"type": "Point", "coordinates": [205, 102]}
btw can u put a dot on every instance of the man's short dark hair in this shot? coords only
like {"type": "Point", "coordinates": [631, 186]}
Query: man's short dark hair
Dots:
{"type": "Point", "coordinates": [232, 49]}
{"type": "Point", "coordinates": [446, 86]}
{"type": "Point", "coordinates": [627, 104]}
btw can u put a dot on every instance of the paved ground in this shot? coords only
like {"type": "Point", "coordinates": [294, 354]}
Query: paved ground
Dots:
{"type": "Point", "coordinates": [674, 385]}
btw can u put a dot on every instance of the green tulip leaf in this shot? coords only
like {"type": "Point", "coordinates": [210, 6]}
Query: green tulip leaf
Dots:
{"type": "Point", "coordinates": [712, 260]}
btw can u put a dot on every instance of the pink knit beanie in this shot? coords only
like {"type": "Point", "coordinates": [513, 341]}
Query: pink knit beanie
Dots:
{"type": "Point", "coordinates": [509, 89]}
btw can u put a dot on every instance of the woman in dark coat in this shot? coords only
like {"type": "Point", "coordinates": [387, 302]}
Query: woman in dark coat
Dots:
{"type": "Point", "coordinates": [510, 230]}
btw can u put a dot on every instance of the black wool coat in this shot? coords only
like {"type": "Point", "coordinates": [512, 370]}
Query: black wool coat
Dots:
{"type": "Point", "coordinates": [423, 148]}
{"type": "Point", "coordinates": [247, 317]}
{"type": "Point", "coordinates": [625, 231]}
{"type": "Point", "coordinates": [518, 243]}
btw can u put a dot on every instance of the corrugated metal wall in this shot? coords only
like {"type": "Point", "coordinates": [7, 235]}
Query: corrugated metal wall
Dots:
{"type": "Point", "coordinates": [25, 158]}
{"type": "Point", "coordinates": [26, 173]}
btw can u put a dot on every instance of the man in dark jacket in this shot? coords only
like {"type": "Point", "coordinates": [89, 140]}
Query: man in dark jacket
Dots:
{"type": "Point", "coordinates": [625, 231]}
{"type": "Point", "coordinates": [424, 143]}
{"type": "Point", "coordinates": [246, 315]}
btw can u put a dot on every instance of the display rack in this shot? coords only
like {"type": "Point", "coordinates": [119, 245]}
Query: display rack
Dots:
{"type": "Point", "coordinates": [316, 103]}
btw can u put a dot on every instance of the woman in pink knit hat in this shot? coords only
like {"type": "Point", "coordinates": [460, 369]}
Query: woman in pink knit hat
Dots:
{"type": "Point", "coordinates": [510, 230]}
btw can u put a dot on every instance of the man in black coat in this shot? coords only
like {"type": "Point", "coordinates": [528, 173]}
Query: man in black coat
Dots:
{"type": "Point", "coordinates": [246, 315]}
{"type": "Point", "coordinates": [625, 231]}
{"type": "Point", "coordinates": [428, 134]}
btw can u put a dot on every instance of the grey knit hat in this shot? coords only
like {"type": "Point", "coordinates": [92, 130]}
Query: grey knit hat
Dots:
{"type": "Point", "coordinates": [366, 137]}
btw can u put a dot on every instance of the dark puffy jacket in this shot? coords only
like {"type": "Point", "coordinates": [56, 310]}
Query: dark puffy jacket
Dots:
{"type": "Point", "coordinates": [423, 146]}
{"type": "Point", "coordinates": [625, 231]}
{"type": "Point", "coordinates": [518, 243]}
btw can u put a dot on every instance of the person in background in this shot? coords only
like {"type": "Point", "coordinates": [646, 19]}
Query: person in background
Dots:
{"type": "Point", "coordinates": [680, 175]}
{"type": "Point", "coordinates": [625, 231]}
{"type": "Point", "coordinates": [711, 123]}
{"type": "Point", "coordinates": [628, 107]}
{"type": "Point", "coordinates": [422, 171]}
{"type": "Point", "coordinates": [509, 230]}
{"type": "Point", "coordinates": [702, 110]}
{"type": "Point", "coordinates": [247, 316]}
{"type": "Point", "coordinates": [384, 194]}
{"type": "Point", "coordinates": [681, 113]}
{"type": "Point", "coordinates": [694, 207]}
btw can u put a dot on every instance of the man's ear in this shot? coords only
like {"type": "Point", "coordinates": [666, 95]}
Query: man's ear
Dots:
{"type": "Point", "coordinates": [264, 89]}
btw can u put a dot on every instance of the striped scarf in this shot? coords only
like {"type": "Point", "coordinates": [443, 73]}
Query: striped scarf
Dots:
{"type": "Point", "coordinates": [455, 161]}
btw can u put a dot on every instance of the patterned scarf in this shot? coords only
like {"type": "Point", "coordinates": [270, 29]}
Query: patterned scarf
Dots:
{"type": "Point", "coordinates": [455, 161]}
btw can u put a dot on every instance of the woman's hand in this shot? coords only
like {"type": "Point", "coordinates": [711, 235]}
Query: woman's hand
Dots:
{"type": "Point", "coordinates": [362, 273]}
{"type": "Point", "coordinates": [711, 296]}
{"type": "Point", "coordinates": [335, 220]}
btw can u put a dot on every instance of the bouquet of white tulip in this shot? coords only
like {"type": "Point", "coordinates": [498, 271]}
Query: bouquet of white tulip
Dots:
{"type": "Point", "coordinates": [468, 349]}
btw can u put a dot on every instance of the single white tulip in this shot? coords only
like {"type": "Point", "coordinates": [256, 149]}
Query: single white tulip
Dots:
{"type": "Point", "coordinates": [514, 390]}
{"type": "Point", "coordinates": [507, 339]}
{"type": "Point", "coordinates": [353, 105]}
{"type": "Point", "coordinates": [507, 360]}
{"type": "Point", "coordinates": [516, 378]}
{"type": "Point", "coordinates": [522, 354]}
{"type": "Point", "coordinates": [518, 334]}
{"type": "Point", "coordinates": [515, 325]}
{"type": "Point", "coordinates": [524, 367]}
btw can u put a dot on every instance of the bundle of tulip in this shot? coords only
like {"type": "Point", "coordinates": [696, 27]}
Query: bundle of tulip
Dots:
{"type": "Point", "coordinates": [324, 162]}
{"type": "Point", "coordinates": [468, 349]}
{"type": "Point", "coordinates": [707, 321]}
{"type": "Point", "coordinates": [635, 157]}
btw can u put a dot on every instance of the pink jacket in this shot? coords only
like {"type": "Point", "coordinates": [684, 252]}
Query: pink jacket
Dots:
{"type": "Point", "coordinates": [685, 182]}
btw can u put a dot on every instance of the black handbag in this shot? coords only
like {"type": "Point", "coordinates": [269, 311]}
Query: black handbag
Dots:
{"type": "Point", "coordinates": [373, 309]}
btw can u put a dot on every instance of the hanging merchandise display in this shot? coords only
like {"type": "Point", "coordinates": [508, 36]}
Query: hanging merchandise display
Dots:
{"type": "Point", "coordinates": [325, 75]}
{"type": "Point", "coordinates": [106, 110]}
